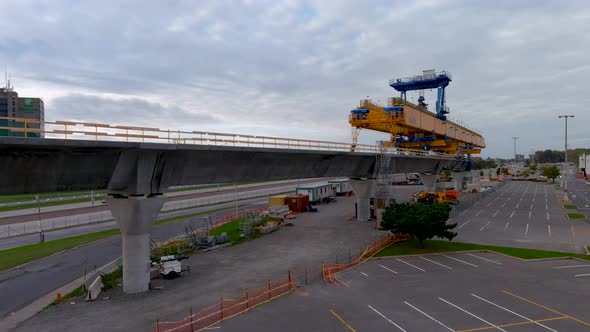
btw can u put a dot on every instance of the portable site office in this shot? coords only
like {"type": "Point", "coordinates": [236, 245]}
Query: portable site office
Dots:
{"type": "Point", "coordinates": [316, 192]}
{"type": "Point", "coordinates": [341, 186]}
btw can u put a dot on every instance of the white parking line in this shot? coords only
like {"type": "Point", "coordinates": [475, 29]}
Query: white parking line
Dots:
{"type": "Point", "coordinates": [465, 223]}
{"type": "Point", "coordinates": [462, 213]}
{"type": "Point", "coordinates": [458, 260]}
{"type": "Point", "coordinates": [512, 214]}
{"type": "Point", "coordinates": [492, 202]}
{"type": "Point", "coordinates": [484, 226]}
{"type": "Point", "coordinates": [477, 214]}
{"type": "Point", "coordinates": [582, 275]}
{"type": "Point", "coordinates": [547, 215]}
{"type": "Point", "coordinates": [412, 265]}
{"type": "Point", "coordinates": [485, 259]}
{"type": "Point", "coordinates": [495, 213]}
{"type": "Point", "coordinates": [388, 269]}
{"type": "Point", "coordinates": [526, 232]}
{"type": "Point", "coordinates": [476, 203]}
{"type": "Point", "coordinates": [503, 205]}
{"type": "Point", "coordinates": [571, 266]}
{"type": "Point", "coordinates": [549, 229]}
{"type": "Point", "coordinates": [387, 319]}
{"type": "Point", "coordinates": [437, 263]}
{"type": "Point", "coordinates": [517, 204]}
{"type": "Point", "coordinates": [512, 312]}
{"type": "Point", "coordinates": [546, 207]}
{"type": "Point", "coordinates": [472, 315]}
{"type": "Point", "coordinates": [505, 228]}
{"type": "Point", "coordinates": [530, 215]}
{"type": "Point", "coordinates": [427, 315]}
{"type": "Point", "coordinates": [363, 273]}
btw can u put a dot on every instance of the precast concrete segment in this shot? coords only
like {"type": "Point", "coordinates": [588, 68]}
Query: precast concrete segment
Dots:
{"type": "Point", "coordinates": [135, 216]}
{"type": "Point", "coordinates": [48, 165]}
{"type": "Point", "coordinates": [363, 188]}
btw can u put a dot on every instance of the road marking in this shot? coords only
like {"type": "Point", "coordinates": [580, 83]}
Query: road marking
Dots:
{"type": "Point", "coordinates": [363, 273]}
{"type": "Point", "coordinates": [388, 269]}
{"type": "Point", "coordinates": [573, 233]}
{"type": "Point", "coordinates": [472, 315]}
{"type": "Point", "coordinates": [412, 265]}
{"type": "Point", "coordinates": [476, 203]}
{"type": "Point", "coordinates": [546, 207]}
{"type": "Point", "coordinates": [512, 214]}
{"type": "Point", "coordinates": [437, 263]}
{"type": "Point", "coordinates": [484, 226]}
{"type": "Point", "coordinates": [549, 229]}
{"type": "Point", "coordinates": [547, 215]}
{"type": "Point", "coordinates": [505, 228]}
{"type": "Point", "coordinates": [526, 232]}
{"type": "Point", "coordinates": [582, 275]}
{"type": "Point", "coordinates": [458, 260]}
{"type": "Point", "coordinates": [342, 321]}
{"type": "Point", "coordinates": [530, 215]}
{"type": "Point", "coordinates": [546, 308]}
{"type": "Point", "coordinates": [512, 312]}
{"type": "Point", "coordinates": [485, 259]}
{"type": "Point", "coordinates": [570, 266]}
{"type": "Point", "coordinates": [465, 223]}
{"type": "Point", "coordinates": [427, 315]}
{"type": "Point", "coordinates": [517, 204]}
{"type": "Point", "coordinates": [495, 213]}
{"type": "Point", "coordinates": [503, 205]}
{"type": "Point", "coordinates": [462, 213]}
{"type": "Point", "coordinates": [477, 214]}
{"type": "Point", "coordinates": [387, 319]}
{"type": "Point", "coordinates": [492, 202]}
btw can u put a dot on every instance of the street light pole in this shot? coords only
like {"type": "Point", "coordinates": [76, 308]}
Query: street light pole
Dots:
{"type": "Point", "coordinates": [565, 175]}
{"type": "Point", "coordinates": [515, 138]}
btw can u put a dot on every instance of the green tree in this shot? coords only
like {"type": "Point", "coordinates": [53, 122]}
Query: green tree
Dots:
{"type": "Point", "coordinates": [533, 167]}
{"type": "Point", "coordinates": [551, 172]}
{"type": "Point", "coordinates": [419, 220]}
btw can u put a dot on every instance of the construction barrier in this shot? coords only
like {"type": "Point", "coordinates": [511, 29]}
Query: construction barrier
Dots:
{"type": "Point", "coordinates": [330, 271]}
{"type": "Point", "coordinates": [227, 308]}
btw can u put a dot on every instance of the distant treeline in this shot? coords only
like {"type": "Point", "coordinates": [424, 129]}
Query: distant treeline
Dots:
{"type": "Point", "coordinates": [554, 156]}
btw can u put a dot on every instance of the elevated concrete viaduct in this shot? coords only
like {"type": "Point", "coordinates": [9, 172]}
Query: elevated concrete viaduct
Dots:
{"type": "Point", "coordinates": [136, 175]}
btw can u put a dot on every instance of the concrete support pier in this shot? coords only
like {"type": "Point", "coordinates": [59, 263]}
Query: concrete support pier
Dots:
{"type": "Point", "coordinates": [135, 215]}
{"type": "Point", "coordinates": [459, 180]}
{"type": "Point", "coordinates": [363, 189]}
{"type": "Point", "coordinates": [429, 181]}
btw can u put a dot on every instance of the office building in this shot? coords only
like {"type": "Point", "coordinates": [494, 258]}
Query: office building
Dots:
{"type": "Point", "coordinates": [20, 115]}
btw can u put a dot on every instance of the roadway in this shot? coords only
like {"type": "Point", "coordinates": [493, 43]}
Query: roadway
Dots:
{"type": "Point", "coordinates": [521, 214]}
{"type": "Point", "coordinates": [24, 284]}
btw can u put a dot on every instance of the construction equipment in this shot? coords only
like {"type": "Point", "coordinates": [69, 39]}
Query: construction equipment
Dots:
{"type": "Point", "coordinates": [450, 196]}
{"type": "Point", "coordinates": [413, 126]}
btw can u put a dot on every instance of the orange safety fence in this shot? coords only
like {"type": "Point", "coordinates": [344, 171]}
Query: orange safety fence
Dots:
{"type": "Point", "coordinates": [227, 308]}
{"type": "Point", "coordinates": [330, 271]}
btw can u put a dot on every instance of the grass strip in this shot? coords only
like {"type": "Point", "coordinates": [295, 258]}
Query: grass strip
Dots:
{"type": "Point", "coordinates": [74, 293]}
{"type": "Point", "coordinates": [32, 197]}
{"type": "Point", "coordinates": [20, 255]}
{"type": "Point", "coordinates": [412, 247]}
{"type": "Point", "coordinates": [569, 206]}
{"type": "Point", "coordinates": [111, 280]}
{"type": "Point", "coordinates": [576, 216]}
{"type": "Point", "coordinates": [233, 231]}
{"type": "Point", "coordinates": [208, 186]}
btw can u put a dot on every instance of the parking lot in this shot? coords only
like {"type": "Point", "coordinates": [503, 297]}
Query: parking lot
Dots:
{"type": "Point", "coordinates": [524, 214]}
{"type": "Point", "coordinates": [470, 291]}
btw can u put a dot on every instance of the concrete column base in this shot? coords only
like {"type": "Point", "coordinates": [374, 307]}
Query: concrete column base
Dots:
{"type": "Point", "coordinates": [363, 189]}
{"type": "Point", "coordinates": [459, 180]}
{"type": "Point", "coordinates": [135, 217]}
{"type": "Point", "coordinates": [429, 181]}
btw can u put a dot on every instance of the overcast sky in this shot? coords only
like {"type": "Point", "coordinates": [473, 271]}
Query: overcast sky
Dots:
{"type": "Point", "coordinates": [296, 68]}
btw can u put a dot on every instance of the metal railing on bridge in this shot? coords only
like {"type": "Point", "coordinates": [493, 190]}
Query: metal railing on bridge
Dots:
{"type": "Point", "coordinates": [76, 130]}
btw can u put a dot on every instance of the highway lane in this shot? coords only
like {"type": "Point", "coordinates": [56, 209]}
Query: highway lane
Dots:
{"type": "Point", "coordinates": [12, 217]}
{"type": "Point", "coordinates": [24, 284]}
{"type": "Point", "coordinates": [525, 214]}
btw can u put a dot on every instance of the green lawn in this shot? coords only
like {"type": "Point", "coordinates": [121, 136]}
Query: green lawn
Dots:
{"type": "Point", "coordinates": [576, 216]}
{"type": "Point", "coordinates": [221, 185]}
{"type": "Point", "coordinates": [411, 247]}
{"type": "Point", "coordinates": [232, 229]}
{"type": "Point", "coordinates": [31, 197]}
{"type": "Point", "coordinates": [16, 256]}
{"type": "Point", "coordinates": [569, 206]}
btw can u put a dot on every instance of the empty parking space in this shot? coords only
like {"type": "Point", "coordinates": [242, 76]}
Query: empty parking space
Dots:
{"type": "Point", "coordinates": [461, 292]}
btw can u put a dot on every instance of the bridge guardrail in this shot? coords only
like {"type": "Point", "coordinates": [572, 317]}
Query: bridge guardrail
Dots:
{"type": "Point", "coordinates": [107, 132]}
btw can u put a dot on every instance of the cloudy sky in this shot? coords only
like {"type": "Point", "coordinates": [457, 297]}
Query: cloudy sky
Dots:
{"type": "Point", "coordinates": [296, 68]}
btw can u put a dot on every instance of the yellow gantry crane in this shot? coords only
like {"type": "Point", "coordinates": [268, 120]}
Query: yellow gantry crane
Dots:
{"type": "Point", "coordinates": [413, 126]}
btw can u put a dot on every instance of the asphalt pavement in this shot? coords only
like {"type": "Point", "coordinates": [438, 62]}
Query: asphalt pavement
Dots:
{"type": "Point", "coordinates": [24, 284]}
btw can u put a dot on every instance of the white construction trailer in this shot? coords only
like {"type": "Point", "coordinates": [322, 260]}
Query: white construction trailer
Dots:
{"type": "Point", "coordinates": [341, 186]}
{"type": "Point", "coordinates": [318, 192]}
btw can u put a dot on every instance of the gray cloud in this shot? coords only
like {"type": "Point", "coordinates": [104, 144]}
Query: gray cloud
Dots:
{"type": "Point", "coordinates": [296, 68]}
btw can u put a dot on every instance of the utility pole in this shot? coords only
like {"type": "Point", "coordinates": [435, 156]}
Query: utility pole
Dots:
{"type": "Point", "coordinates": [565, 175]}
